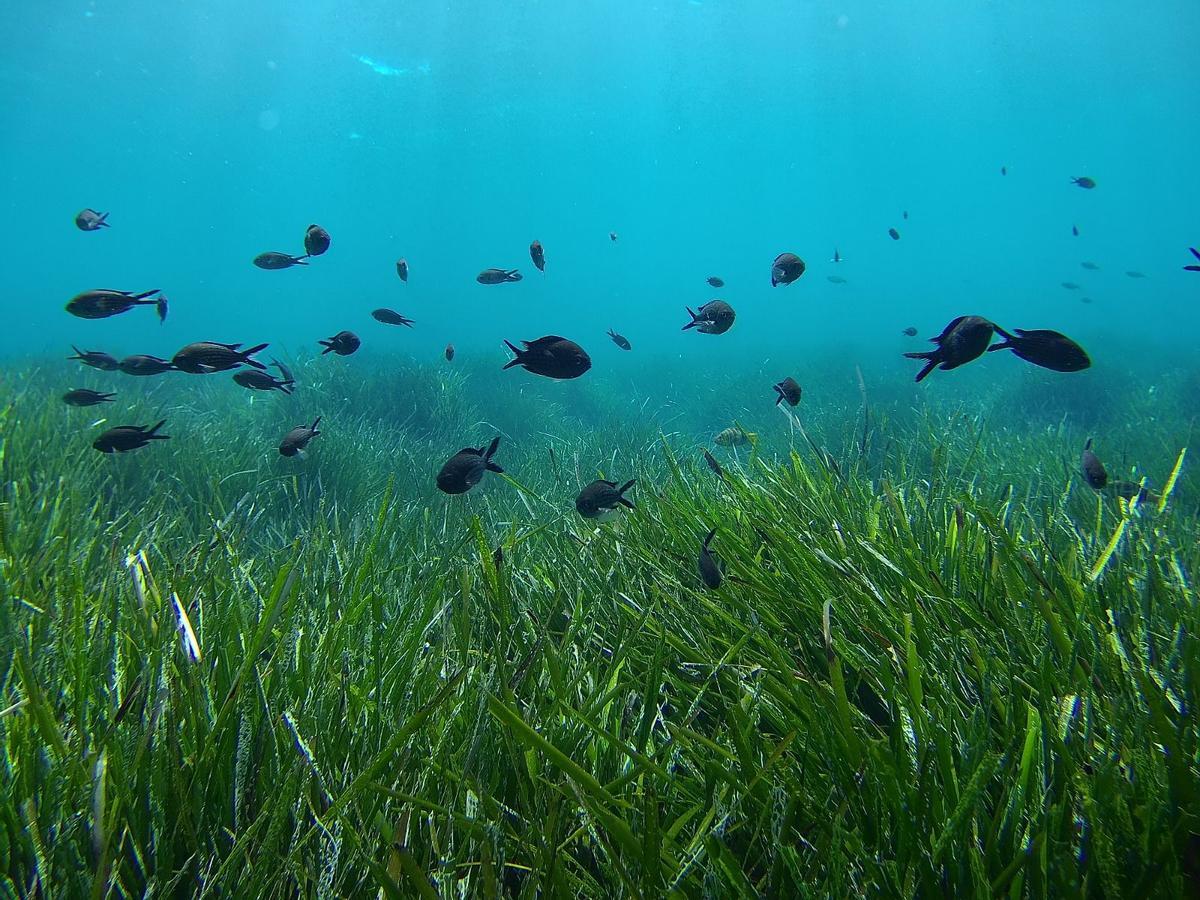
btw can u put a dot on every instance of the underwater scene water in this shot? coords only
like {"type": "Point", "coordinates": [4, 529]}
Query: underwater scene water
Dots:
{"type": "Point", "coordinates": [599, 449]}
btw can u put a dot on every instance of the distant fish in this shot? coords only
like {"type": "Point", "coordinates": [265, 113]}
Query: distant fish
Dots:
{"type": "Point", "coordinates": [261, 381]}
{"type": "Point", "coordinates": [1045, 348]}
{"type": "Point", "coordinates": [142, 364]}
{"type": "Point", "coordinates": [837, 257]}
{"type": "Point", "coordinates": [963, 340]}
{"type": "Point", "coordinates": [601, 499]}
{"type": "Point", "coordinates": [710, 569]}
{"type": "Point", "coordinates": [273, 260]}
{"type": "Point", "coordinates": [620, 340]}
{"type": "Point", "coordinates": [1195, 253]}
{"type": "Point", "coordinates": [316, 240]}
{"type": "Point", "coordinates": [1085, 299]}
{"type": "Point", "coordinates": [97, 359]}
{"type": "Point", "coordinates": [612, 235]}
{"type": "Point", "coordinates": [714, 317]}
{"type": "Point", "coordinates": [551, 356]}
{"type": "Point", "coordinates": [296, 440]}
{"type": "Point", "coordinates": [104, 302]}
{"type": "Point", "coordinates": [786, 268]}
{"type": "Point", "coordinates": [1136, 274]}
{"type": "Point", "coordinates": [498, 276]}
{"type": "Point", "coordinates": [905, 214]}
{"type": "Point", "coordinates": [90, 220]}
{"type": "Point", "coordinates": [390, 317]}
{"type": "Point", "coordinates": [1084, 182]}
{"type": "Point", "coordinates": [124, 438]}
{"type": "Point", "coordinates": [449, 353]}
{"type": "Point", "coordinates": [1004, 170]}
{"type": "Point", "coordinates": [402, 269]}
{"type": "Point", "coordinates": [715, 281]}
{"type": "Point", "coordinates": [835, 279]}
{"type": "Point", "coordinates": [1094, 472]}
{"type": "Point", "coordinates": [206, 357]}
{"type": "Point", "coordinates": [893, 234]}
{"type": "Point", "coordinates": [1070, 285]}
{"type": "Point", "coordinates": [343, 343]}
{"type": "Point", "coordinates": [789, 390]}
{"type": "Point", "coordinates": [538, 254]}
{"type": "Point", "coordinates": [714, 465]}
{"type": "Point", "coordinates": [1075, 230]}
{"type": "Point", "coordinates": [85, 397]}
{"type": "Point", "coordinates": [1091, 266]}
{"type": "Point", "coordinates": [465, 468]}
{"type": "Point", "coordinates": [1131, 489]}
{"type": "Point", "coordinates": [910, 331]}
{"type": "Point", "coordinates": [735, 437]}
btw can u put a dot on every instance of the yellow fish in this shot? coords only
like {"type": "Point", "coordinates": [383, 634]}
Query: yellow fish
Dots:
{"type": "Point", "coordinates": [735, 437]}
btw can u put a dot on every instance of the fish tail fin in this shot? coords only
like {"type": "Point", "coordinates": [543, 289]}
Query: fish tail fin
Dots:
{"type": "Point", "coordinates": [107, 398]}
{"type": "Point", "coordinates": [1003, 345]}
{"type": "Point", "coordinates": [1194, 252]}
{"type": "Point", "coordinates": [153, 432]}
{"type": "Point", "coordinates": [779, 391]}
{"type": "Point", "coordinates": [286, 386]}
{"type": "Point", "coordinates": [708, 538]}
{"type": "Point", "coordinates": [621, 498]}
{"type": "Point", "coordinates": [144, 294]}
{"type": "Point", "coordinates": [1088, 445]}
{"type": "Point", "coordinates": [246, 354]}
{"type": "Point", "coordinates": [491, 449]}
{"type": "Point", "coordinates": [300, 260]}
{"type": "Point", "coordinates": [78, 353]}
{"type": "Point", "coordinates": [691, 324]}
{"type": "Point", "coordinates": [313, 426]}
{"type": "Point", "coordinates": [516, 360]}
{"type": "Point", "coordinates": [932, 358]}
{"type": "Point", "coordinates": [100, 221]}
{"type": "Point", "coordinates": [328, 345]}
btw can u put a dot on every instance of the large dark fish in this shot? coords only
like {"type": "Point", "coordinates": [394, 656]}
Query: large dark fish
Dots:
{"type": "Point", "coordinates": [552, 356]}
{"type": "Point", "coordinates": [465, 468]}
{"type": "Point", "coordinates": [710, 570]}
{"type": "Point", "coordinates": [297, 439]}
{"type": "Point", "coordinates": [620, 340]}
{"type": "Point", "coordinates": [143, 364]}
{"type": "Point", "coordinates": [343, 343]}
{"type": "Point", "coordinates": [449, 353]}
{"type": "Point", "coordinates": [262, 381]}
{"type": "Point", "coordinates": [97, 359]}
{"type": "Point", "coordinates": [714, 317]}
{"type": "Point", "coordinates": [1084, 182]}
{"type": "Point", "coordinates": [102, 303]}
{"type": "Point", "coordinates": [538, 254]}
{"type": "Point", "coordinates": [1195, 253]}
{"type": "Point", "coordinates": [390, 317]}
{"type": "Point", "coordinates": [963, 340]}
{"type": "Point", "coordinates": [1048, 349]}
{"type": "Point", "coordinates": [273, 260]}
{"type": "Point", "coordinates": [788, 390]}
{"type": "Point", "coordinates": [601, 498]}
{"type": "Point", "coordinates": [715, 281]}
{"type": "Point", "coordinates": [124, 438]}
{"type": "Point", "coordinates": [786, 268]}
{"type": "Point", "coordinates": [316, 240]}
{"type": "Point", "coordinates": [1094, 472]}
{"type": "Point", "coordinates": [498, 276]}
{"type": "Point", "coordinates": [206, 357]}
{"type": "Point", "coordinates": [85, 397]}
{"type": "Point", "coordinates": [90, 220]}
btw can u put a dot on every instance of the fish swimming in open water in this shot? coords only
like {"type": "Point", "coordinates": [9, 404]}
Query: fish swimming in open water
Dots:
{"type": "Point", "coordinates": [1045, 348]}
{"type": "Point", "coordinates": [343, 343]}
{"type": "Point", "coordinates": [85, 397]}
{"type": "Point", "coordinates": [619, 340]}
{"type": "Point", "coordinates": [789, 390]}
{"type": "Point", "coordinates": [90, 220]}
{"type": "Point", "coordinates": [261, 381]}
{"type": "Point", "coordinates": [273, 260]}
{"type": "Point", "coordinates": [316, 240]}
{"type": "Point", "coordinates": [786, 268]}
{"type": "Point", "coordinates": [206, 357]}
{"type": "Point", "coordinates": [124, 438]}
{"type": "Point", "coordinates": [963, 340]}
{"type": "Point", "coordinates": [104, 302]}
{"type": "Point", "coordinates": [537, 253]}
{"type": "Point", "coordinates": [714, 317]}
{"type": "Point", "coordinates": [551, 356]}
{"type": "Point", "coordinates": [97, 359]}
{"type": "Point", "coordinates": [498, 276]}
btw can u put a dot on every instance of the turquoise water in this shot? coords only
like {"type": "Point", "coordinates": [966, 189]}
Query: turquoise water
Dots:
{"type": "Point", "coordinates": [709, 135]}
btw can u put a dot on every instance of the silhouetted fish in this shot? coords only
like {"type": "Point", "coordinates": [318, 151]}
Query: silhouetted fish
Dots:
{"type": "Point", "coordinates": [1094, 472]}
{"type": "Point", "coordinates": [402, 269]}
{"type": "Point", "coordinates": [788, 390]}
{"type": "Point", "coordinates": [97, 359]}
{"type": "Point", "coordinates": [1195, 253]}
{"type": "Point", "coordinates": [1091, 266]}
{"type": "Point", "coordinates": [1075, 230]}
{"type": "Point", "coordinates": [465, 468]}
{"type": "Point", "coordinates": [910, 331]}
{"type": "Point", "coordinates": [143, 364]}
{"type": "Point", "coordinates": [1084, 182]}
{"type": "Point", "coordinates": [893, 234]}
{"type": "Point", "coordinates": [619, 340]}
{"type": "Point", "coordinates": [343, 343]}
{"type": "Point", "coordinates": [498, 276]}
{"type": "Point", "coordinates": [297, 439]}
{"type": "Point", "coordinates": [1136, 274]}
{"type": "Point", "coordinates": [1004, 170]}
{"type": "Point", "coordinates": [1045, 348]}
{"type": "Point", "coordinates": [714, 317]}
{"type": "Point", "coordinates": [390, 317]}
{"type": "Point", "coordinates": [837, 257]}
{"type": "Point", "coordinates": [612, 235]}
{"type": "Point", "coordinates": [316, 240]}
{"type": "Point", "coordinates": [124, 438]}
{"type": "Point", "coordinates": [786, 268]}
{"type": "Point", "coordinates": [963, 340]}
{"type": "Point", "coordinates": [206, 357]}
{"type": "Point", "coordinates": [716, 281]}
{"type": "Point", "coordinates": [261, 381]}
{"type": "Point", "coordinates": [85, 397]}
{"type": "Point", "coordinates": [601, 498]}
{"type": "Point", "coordinates": [551, 356]}
{"type": "Point", "coordinates": [90, 220]}
{"type": "Point", "coordinates": [710, 569]}
{"type": "Point", "coordinates": [905, 214]}
{"type": "Point", "coordinates": [273, 260]}
{"type": "Point", "coordinates": [538, 254]}
{"type": "Point", "coordinates": [449, 352]}
{"type": "Point", "coordinates": [103, 302]}
{"type": "Point", "coordinates": [714, 465]}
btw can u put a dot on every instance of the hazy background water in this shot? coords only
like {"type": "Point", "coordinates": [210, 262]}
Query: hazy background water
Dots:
{"type": "Point", "coordinates": [709, 135]}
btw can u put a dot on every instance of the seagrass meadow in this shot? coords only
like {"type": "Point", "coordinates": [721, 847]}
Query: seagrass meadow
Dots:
{"type": "Point", "coordinates": [939, 664]}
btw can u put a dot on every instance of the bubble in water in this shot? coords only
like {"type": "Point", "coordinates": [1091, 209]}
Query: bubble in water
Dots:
{"type": "Point", "coordinates": [268, 119]}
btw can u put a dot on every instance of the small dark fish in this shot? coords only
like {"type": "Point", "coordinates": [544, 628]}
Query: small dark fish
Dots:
{"type": "Point", "coordinates": [1075, 230]}
{"type": "Point", "coordinates": [90, 220]}
{"type": "Point", "coordinates": [84, 397]}
{"type": "Point", "coordinates": [402, 269]}
{"type": "Point", "coordinates": [619, 340]}
{"type": "Point", "coordinates": [498, 276]}
{"type": "Point", "coordinates": [390, 317]}
{"type": "Point", "coordinates": [498, 557]}
{"type": "Point", "coordinates": [710, 569]}
{"type": "Point", "coordinates": [910, 331]}
{"type": "Point", "coordinates": [612, 235]}
{"type": "Point", "coordinates": [552, 356]}
{"type": "Point", "coordinates": [1195, 253]}
{"type": "Point", "coordinates": [1094, 472]}
{"type": "Point", "coordinates": [102, 303]}
{"type": "Point", "coordinates": [97, 359]}
{"type": "Point", "coordinates": [835, 279]}
{"type": "Point", "coordinates": [1084, 182]}
{"type": "Point", "coordinates": [284, 371]}
{"type": "Point", "coordinates": [716, 281]}
{"type": "Point", "coordinates": [837, 257]}
{"type": "Point", "coordinates": [1070, 285]}
{"type": "Point", "coordinates": [1091, 266]}
{"type": "Point", "coordinates": [449, 353]}
{"type": "Point", "coordinates": [538, 254]}
{"type": "Point", "coordinates": [343, 343]}
{"type": "Point", "coordinates": [1004, 170]}
{"type": "Point", "coordinates": [316, 240]}
{"type": "Point", "coordinates": [893, 234]}
{"type": "Point", "coordinates": [143, 364]}
{"type": "Point", "coordinates": [714, 465]}
{"type": "Point", "coordinates": [465, 468]}
{"type": "Point", "coordinates": [1048, 349]}
{"type": "Point", "coordinates": [206, 357]}
{"type": "Point", "coordinates": [735, 436]}
{"type": "Point", "coordinates": [1085, 299]}
{"type": "Point", "coordinates": [1136, 274]}
{"type": "Point", "coordinates": [297, 439]}
{"type": "Point", "coordinates": [273, 260]}
{"type": "Point", "coordinates": [905, 214]}
{"type": "Point", "coordinates": [262, 381]}
{"type": "Point", "coordinates": [124, 438]}
{"type": "Point", "coordinates": [714, 317]}
{"type": "Point", "coordinates": [786, 268]}
{"type": "Point", "coordinates": [789, 390]}
{"type": "Point", "coordinates": [602, 498]}
{"type": "Point", "coordinates": [963, 340]}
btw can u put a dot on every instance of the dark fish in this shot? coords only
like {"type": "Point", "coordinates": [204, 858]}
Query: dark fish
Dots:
{"type": "Point", "coordinates": [284, 371]}
{"type": "Point", "coordinates": [835, 279]}
{"type": "Point", "coordinates": [1004, 170]}
{"type": "Point", "coordinates": [1135, 274]}
{"type": "Point", "coordinates": [601, 498]}
{"type": "Point", "coordinates": [316, 240]}
{"type": "Point", "coordinates": [710, 570]}
{"type": "Point", "coordinates": [465, 468]}
{"type": "Point", "coordinates": [1195, 253]}
{"type": "Point", "coordinates": [1131, 489]}
{"type": "Point", "coordinates": [788, 390]}
{"type": "Point", "coordinates": [143, 364]}
{"type": "Point", "coordinates": [1075, 230]}
{"type": "Point", "coordinates": [905, 214]}
{"type": "Point", "coordinates": [715, 281]}
{"type": "Point", "coordinates": [964, 339]}
{"type": "Point", "coordinates": [1084, 182]}
{"type": "Point", "coordinates": [714, 317]}
{"type": "Point", "coordinates": [449, 352]}
{"type": "Point", "coordinates": [1091, 266]}
{"type": "Point", "coordinates": [538, 254]}
{"type": "Point", "coordinates": [910, 331]}
{"type": "Point", "coordinates": [837, 257]}
{"type": "Point", "coordinates": [1094, 472]}
{"type": "Point", "coordinates": [1044, 348]}
{"type": "Point", "coordinates": [552, 356]}
{"type": "Point", "coordinates": [102, 303]}
{"type": "Point", "coordinates": [612, 235]}
{"type": "Point", "coordinates": [297, 439]}
{"type": "Point", "coordinates": [262, 381]}
{"type": "Point", "coordinates": [390, 317]}
{"type": "Point", "coordinates": [1085, 299]}
{"type": "Point", "coordinates": [786, 268]}
{"type": "Point", "coordinates": [893, 234]}
{"type": "Point", "coordinates": [343, 343]}
{"type": "Point", "coordinates": [84, 397]}
{"type": "Point", "coordinates": [206, 357]}
{"type": "Point", "coordinates": [97, 359]}
{"type": "Point", "coordinates": [714, 465]}
{"type": "Point", "coordinates": [90, 220]}
{"type": "Point", "coordinates": [273, 260]}
{"type": "Point", "coordinates": [619, 340]}
{"type": "Point", "coordinates": [124, 438]}
{"type": "Point", "coordinates": [1070, 285]}
{"type": "Point", "coordinates": [498, 276]}
{"type": "Point", "coordinates": [402, 269]}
